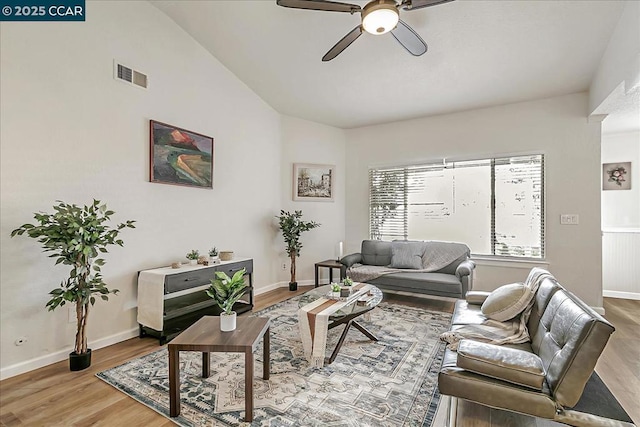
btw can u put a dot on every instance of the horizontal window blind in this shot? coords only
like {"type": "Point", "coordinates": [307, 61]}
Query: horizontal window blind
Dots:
{"type": "Point", "coordinates": [493, 205]}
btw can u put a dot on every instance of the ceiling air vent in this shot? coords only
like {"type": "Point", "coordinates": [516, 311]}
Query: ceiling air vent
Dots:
{"type": "Point", "coordinates": [129, 75]}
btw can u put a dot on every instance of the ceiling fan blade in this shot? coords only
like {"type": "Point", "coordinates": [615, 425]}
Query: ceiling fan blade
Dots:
{"type": "Point", "coordinates": [343, 44]}
{"type": "Point", "coordinates": [409, 39]}
{"type": "Point", "coordinates": [328, 6]}
{"type": "Point", "coordinates": [419, 4]}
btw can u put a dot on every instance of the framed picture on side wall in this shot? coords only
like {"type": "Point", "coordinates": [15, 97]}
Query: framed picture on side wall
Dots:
{"type": "Point", "coordinates": [616, 176]}
{"type": "Point", "coordinates": [180, 157]}
{"type": "Point", "coordinates": [313, 182]}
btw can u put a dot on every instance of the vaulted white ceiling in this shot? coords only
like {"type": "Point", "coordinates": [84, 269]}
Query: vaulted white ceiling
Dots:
{"type": "Point", "coordinates": [481, 53]}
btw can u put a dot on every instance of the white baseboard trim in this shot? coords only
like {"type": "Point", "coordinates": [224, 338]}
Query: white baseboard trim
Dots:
{"type": "Point", "coordinates": [278, 285]}
{"type": "Point", "coordinates": [622, 295]}
{"type": "Point", "coordinates": [48, 359]}
{"type": "Point", "coordinates": [39, 362]}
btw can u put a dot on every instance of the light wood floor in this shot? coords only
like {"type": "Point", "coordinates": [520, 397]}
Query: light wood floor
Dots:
{"type": "Point", "coordinates": [54, 396]}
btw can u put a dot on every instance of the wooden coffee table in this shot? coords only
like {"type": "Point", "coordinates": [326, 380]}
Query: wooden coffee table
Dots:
{"type": "Point", "coordinates": [205, 336]}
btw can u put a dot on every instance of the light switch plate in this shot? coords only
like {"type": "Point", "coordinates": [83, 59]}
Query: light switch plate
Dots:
{"type": "Point", "coordinates": [569, 219]}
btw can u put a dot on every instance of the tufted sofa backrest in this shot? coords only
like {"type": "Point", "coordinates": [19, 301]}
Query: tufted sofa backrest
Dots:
{"type": "Point", "coordinates": [569, 337]}
{"type": "Point", "coordinates": [376, 252]}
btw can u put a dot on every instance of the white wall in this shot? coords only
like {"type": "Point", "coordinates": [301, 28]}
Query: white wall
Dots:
{"type": "Point", "coordinates": [621, 208]}
{"type": "Point", "coordinates": [308, 142]}
{"type": "Point", "coordinates": [69, 131]}
{"type": "Point", "coordinates": [557, 127]}
{"type": "Point", "coordinates": [621, 59]}
{"type": "Point", "coordinates": [621, 220]}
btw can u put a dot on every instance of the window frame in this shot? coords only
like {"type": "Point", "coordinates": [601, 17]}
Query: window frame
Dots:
{"type": "Point", "coordinates": [492, 159]}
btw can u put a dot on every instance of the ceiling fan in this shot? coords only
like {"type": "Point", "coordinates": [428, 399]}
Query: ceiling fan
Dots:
{"type": "Point", "coordinates": [378, 17]}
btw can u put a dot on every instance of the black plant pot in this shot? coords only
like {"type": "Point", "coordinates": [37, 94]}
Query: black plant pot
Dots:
{"type": "Point", "coordinates": [78, 362]}
{"type": "Point", "coordinates": [293, 286]}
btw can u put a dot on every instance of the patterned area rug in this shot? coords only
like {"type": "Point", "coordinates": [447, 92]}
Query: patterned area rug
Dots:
{"type": "Point", "coordinates": [392, 382]}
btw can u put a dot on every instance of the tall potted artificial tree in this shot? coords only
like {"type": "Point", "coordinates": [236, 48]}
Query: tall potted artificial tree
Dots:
{"type": "Point", "coordinates": [76, 236]}
{"type": "Point", "coordinates": [292, 227]}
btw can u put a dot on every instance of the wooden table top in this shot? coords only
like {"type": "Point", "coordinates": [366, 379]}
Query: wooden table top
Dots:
{"type": "Point", "coordinates": [205, 335]}
{"type": "Point", "coordinates": [329, 263]}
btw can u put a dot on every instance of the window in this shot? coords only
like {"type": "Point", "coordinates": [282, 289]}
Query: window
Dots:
{"type": "Point", "coordinates": [493, 205]}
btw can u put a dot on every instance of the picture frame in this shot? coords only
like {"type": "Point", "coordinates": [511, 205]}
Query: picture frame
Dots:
{"type": "Point", "coordinates": [313, 182]}
{"type": "Point", "coordinates": [180, 156]}
{"type": "Point", "coordinates": [616, 176]}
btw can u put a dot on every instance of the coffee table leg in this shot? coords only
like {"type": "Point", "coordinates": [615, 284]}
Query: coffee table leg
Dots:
{"type": "Point", "coordinates": [248, 385]}
{"type": "Point", "coordinates": [266, 361]}
{"type": "Point", "coordinates": [365, 331]}
{"type": "Point", "coordinates": [174, 382]}
{"type": "Point", "coordinates": [206, 364]}
{"type": "Point", "coordinates": [330, 360]}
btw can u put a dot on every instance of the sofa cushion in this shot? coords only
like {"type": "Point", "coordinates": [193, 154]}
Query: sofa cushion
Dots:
{"type": "Point", "coordinates": [458, 382]}
{"type": "Point", "coordinates": [438, 284]}
{"type": "Point", "coordinates": [376, 252]}
{"type": "Point", "coordinates": [407, 254]}
{"type": "Point", "coordinates": [507, 302]}
{"type": "Point", "coordinates": [507, 364]}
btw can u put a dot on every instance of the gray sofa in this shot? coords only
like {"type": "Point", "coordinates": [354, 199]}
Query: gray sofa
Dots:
{"type": "Point", "coordinates": [439, 268]}
{"type": "Point", "coordinates": [544, 377]}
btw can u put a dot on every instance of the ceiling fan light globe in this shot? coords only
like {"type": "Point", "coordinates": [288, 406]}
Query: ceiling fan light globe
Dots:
{"type": "Point", "coordinates": [380, 17]}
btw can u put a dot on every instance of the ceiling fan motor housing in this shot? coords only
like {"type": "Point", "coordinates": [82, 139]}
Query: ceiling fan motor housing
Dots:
{"type": "Point", "coordinates": [380, 16]}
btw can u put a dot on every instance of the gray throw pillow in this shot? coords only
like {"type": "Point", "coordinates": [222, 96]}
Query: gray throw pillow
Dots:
{"type": "Point", "coordinates": [507, 302]}
{"type": "Point", "coordinates": [407, 254]}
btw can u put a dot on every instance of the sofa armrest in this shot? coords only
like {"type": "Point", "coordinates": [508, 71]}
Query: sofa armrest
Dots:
{"type": "Point", "coordinates": [465, 272]}
{"type": "Point", "coordinates": [504, 363]}
{"type": "Point", "coordinates": [465, 268]}
{"type": "Point", "coordinates": [351, 259]}
{"type": "Point", "coordinates": [477, 297]}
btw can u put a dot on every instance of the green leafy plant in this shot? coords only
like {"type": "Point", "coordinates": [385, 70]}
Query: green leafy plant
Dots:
{"type": "Point", "coordinates": [335, 287]}
{"type": "Point", "coordinates": [213, 251]}
{"type": "Point", "coordinates": [347, 282]}
{"type": "Point", "coordinates": [292, 227]}
{"type": "Point", "coordinates": [76, 236]}
{"type": "Point", "coordinates": [226, 291]}
{"type": "Point", "coordinates": [194, 254]}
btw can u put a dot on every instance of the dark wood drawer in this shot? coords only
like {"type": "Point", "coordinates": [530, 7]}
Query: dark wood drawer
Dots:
{"type": "Point", "coordinates": [230, 269]}
{"type": "Point", "coordinates": [188, 279]}
{"type": "Point", "coordinates": [191, 279]}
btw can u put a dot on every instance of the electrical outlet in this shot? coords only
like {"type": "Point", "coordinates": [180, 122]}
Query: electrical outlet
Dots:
{"type": "Point", "coordinates": [284, 265]}
{"type": "Point", "coordinates": [72, 314]}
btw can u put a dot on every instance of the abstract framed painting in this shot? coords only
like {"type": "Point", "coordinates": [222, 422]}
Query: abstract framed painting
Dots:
{"type": "Point", "coordinates": [616, 176]}
{"type": "Point", "coordinates": [313, 182]}
{"type": "Point", "coordinates": [180, 156]}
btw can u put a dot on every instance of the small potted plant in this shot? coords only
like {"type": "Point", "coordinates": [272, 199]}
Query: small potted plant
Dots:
{"type": "Point", "coordinates": [335, 290]}
{"type": "Point", "coordinates": [345, 289]}
{"type": "Point", "coordinates": [226, 291]}
{"type": "Point", "coordinates": [193, 257]}
{"type": "Point", "coordinates": [213, 256]}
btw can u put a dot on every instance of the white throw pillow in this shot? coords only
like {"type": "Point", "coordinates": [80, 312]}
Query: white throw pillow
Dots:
{"type": "Point", "coordinates": [507, 302]}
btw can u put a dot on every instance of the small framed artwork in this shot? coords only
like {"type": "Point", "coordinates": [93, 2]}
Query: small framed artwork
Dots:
{"type": "Point", "coordinates": [180, 156]}
{"type": "Point", "coordinates": [616, 176]}
{"type": "Point", "coordinates": [313, 182]}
